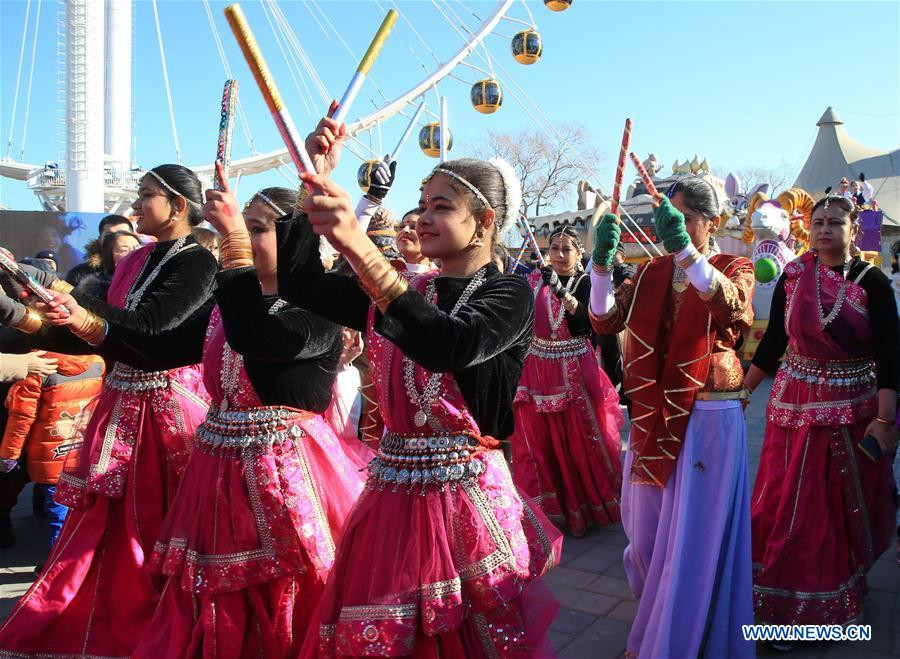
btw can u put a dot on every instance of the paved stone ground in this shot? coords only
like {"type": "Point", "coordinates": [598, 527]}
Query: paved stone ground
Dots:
{"type": "Point", "coordinates": [597, 607]}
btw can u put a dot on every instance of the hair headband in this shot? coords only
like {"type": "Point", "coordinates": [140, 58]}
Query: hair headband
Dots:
{"type": "Point", "coordinates": [173, 190]}
{"type": "Point", "coordinates": [268, 202]}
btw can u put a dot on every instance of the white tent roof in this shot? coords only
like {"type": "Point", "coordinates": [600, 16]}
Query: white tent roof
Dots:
{"type": "Point", "coordinates": [836, 154]}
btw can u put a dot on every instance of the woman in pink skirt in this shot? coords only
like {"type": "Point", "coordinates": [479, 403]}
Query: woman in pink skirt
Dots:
{"type": "Point", "coordinates": [566, 445]}
{"type": "Point", "coordinates": [441, 555]}
{"type": "Point", "coordinates": [94, 596]}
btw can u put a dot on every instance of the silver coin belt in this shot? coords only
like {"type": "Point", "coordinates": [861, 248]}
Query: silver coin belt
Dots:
{"type": "Point", "coordinates": [845, 373]}
{"type": "Point", "coordinates": [547, 349]}
{"type": "Point", "coordinates": [126, 378]}
{"type": "Point", "coordinates": [438, 460]}
{"type": "Point", "coordinates": [255, 427]}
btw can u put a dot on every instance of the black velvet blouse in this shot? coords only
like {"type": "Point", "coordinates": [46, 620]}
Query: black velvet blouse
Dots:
{"type": "Point", "coordinates": [483, 345]}
{"type": "Point", "coordinates": [578, 323]}
{"type": "Point", "coordinates": [291, 356]}
{"type": "Point", "coordinates": [183, 285]}
{"type": "Point", "coordinates": [882, 316]}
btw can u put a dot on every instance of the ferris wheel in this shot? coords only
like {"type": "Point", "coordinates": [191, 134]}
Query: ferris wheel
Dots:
{"type": "Point", "coordinates": [487, 46]}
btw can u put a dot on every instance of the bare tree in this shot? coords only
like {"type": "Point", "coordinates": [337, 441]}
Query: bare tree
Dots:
{"type": "Point", "coordinates": [548, 170]}
{"type": "Point", "coordinates": [779, 177]}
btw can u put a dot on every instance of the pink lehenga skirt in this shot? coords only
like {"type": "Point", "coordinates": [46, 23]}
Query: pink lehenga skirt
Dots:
{"type": "Point", "coordinates": [566, 447]}
{"type": "Point", "coordinates": [439, 560]}
{"type": "Point", "coordinates": [94, 596]}
{"type": "Point", "coordinates": [250, 538]}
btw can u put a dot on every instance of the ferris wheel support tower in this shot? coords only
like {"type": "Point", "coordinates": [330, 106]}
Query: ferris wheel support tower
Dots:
{"type": "Point", "coordinates": [84, 105]}
{"type": "Point", "coordinates": [117, 136]}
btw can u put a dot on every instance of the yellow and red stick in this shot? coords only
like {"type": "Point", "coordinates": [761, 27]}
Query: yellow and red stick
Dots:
{"type": "Point", "coordinates": [645, 177]}
{"type": "Point", "coordinates": [620, 168]}
{"type": "Point", "coordinates": [260, 70]}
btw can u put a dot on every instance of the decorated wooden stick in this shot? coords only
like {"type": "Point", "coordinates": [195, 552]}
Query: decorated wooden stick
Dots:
{"type": "Point", "coordinates": [519, 256]}
{"type": "Point", "coordinates": [364, 65]}
{"type": "Point", "coordinates": [8, 264]}
{"type": "Point", "coordinates": [620, 168]}
{"type": "Point", "coordinates": [406, 133]}
{"type": "Point", "coordinates": [260, 70]}
{"type": "Point", "coordinates": [226, 128]}
{"type": "Point", "coordinates": [529, 234]}
{"type": "Point", "coordinates": [645, 177]}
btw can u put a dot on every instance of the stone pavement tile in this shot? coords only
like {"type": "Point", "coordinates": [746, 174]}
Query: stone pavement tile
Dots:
{"type": "Point", "coordinates": [801, 650]}
{"type": "Point", "coordinates": [606, 585]}
{"type": "Point", "coordinates": [598, 558]}
{"type": "Point", "coordinates": [566, 576]}
{"type": "Point", "coordinates": [624, 611]}
{"type": "Point", "coordinates": [895, 645]}
{"type": "Point", "coordinates": [566, 557]}
{"type": "Point", "coordinates": [582, 600]}
{"type": "Point", "coordinates": [605, 639]}
{"type": "Point", "coordinates": [618, 538]}
{"type": "Point", "coordinates": [884, 575]}
{"type": "Point", "coordinates": [617, 570]}
{"type": "Point", "coordinates": [851, 651]}
{"type": "Point", "coordinates": [878, 610]}
{"type": "Point", "coordinates": [580, 545]}
{"type": "Point", "coordinates": [572, 622]}
{"type": "Point", "coordinates": [558, 641]}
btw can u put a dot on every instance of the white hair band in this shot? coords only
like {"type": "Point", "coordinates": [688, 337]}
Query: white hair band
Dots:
{"type": "Point", "coordinates": [173, 190]}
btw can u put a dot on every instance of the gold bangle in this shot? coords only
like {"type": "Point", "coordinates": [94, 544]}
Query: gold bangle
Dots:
{"type": "Point", "coordinates": [92, 330]}
{"type": "Point", "coordinates": [236, 251]}
{"type": "Point", "coordinates": [570, 303]}
{"type": "Point", "coordinates": [61, 286]}
{"type": "Point", "coordinates": [600, 269]}
{"type": "Point", "coordinates": [30, 322]}
{"type": "Point", "coordinates": [378, 278]}
{"type": "Point", "coordinates": [886, 422]}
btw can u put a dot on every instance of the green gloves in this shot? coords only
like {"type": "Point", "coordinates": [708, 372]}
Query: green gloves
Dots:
{"type": "Point", "coordinates": [670, 227]}
{"type": "Point", "coordinates": [606, 239]}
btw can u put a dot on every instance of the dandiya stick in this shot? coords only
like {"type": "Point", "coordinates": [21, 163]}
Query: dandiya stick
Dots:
{"type": "Point", "coordinates": [406, 133]}
{"type": "Point", "coordinates": [645, 177]}
{"type": "Point", "coordinates": [226, 128]}
{"type": "Point", "coordinates": [9, 265]}
{"type": "Point", "coordinates": [365, 64]}
{"type": "Point", "coordinates": [521, 253]}
{"type": "Point", "coordinates": [620, 168]}
{"type": "Point", "coordinates": [260, 70]}
{"type": "Point", "coordinates": [529, 234]}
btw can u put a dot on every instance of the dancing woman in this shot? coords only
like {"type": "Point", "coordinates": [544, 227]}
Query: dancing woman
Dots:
{"type": "Point", "coordinates": [685, 500]}
{"type": "Point", "coordinates": [440, 556]}
{"type": "Point", "coordinates": [566, 445]}
{"type": "Point", "coordinates": [94, 596]}
{"type": "Point", "coordinates": [250, 535]}
{"type": "Point", "coordinates": [822, 509]}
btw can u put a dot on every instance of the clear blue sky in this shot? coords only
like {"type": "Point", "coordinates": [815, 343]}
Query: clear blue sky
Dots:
{"type": "Point", "coordinates": [741, 83]}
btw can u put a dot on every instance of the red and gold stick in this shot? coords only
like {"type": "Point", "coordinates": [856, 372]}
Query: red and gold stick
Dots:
{"type": "Point", "coordinates": [645, 177]}
{"type": "Point", "coordinates": [620, 168]}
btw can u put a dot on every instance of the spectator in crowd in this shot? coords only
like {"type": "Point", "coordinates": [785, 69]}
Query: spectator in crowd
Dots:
{"type": "Point", "coordinates": [207, 239]}
{"type": "Point", "coordinates": [895, 271]}
{"type": "Point", "coordinates": [114, 247]}
{"type": "Point", "coordinates": [15, 367]}
{"type": "Point", "coordinates": [109, 224]}
{"type": "Point", "coordinates": [45, 419]}
{"type": "Point", "coordinates": [844, 188]}
{"type": "Point", "coordinates": [50, 258]}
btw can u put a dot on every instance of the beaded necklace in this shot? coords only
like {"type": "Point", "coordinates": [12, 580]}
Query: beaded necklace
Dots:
{"type": "Point", "coordinates": [825, 320]}
{"type": "Point", "coordinates": [556, 322]}
{"type": "Point", "coordinates": [432, 387]}
{"type": "Point", "coordinates": [134, 296]}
